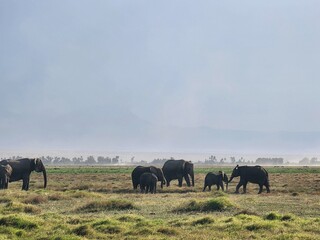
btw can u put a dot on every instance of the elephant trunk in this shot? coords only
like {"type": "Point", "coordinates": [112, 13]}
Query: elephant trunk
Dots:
{"type": "Point", "coordinates": [163, 182]}
{"type": "Point", "coordinates": [44, 177]}
{"type": "Point", "coordinates": [192, 177]}
{"type": "Point", "coordinates": [227, 186]}
{"type": "Point", "coordinates": [230, 179]}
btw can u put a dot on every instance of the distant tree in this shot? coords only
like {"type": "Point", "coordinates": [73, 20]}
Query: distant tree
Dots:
{"type": "Point", "coordinates": [90, 160]}
{"type": "Point", "coordinates": [304, 161]}
{"type": "Point", "coordinates": [115, 160]}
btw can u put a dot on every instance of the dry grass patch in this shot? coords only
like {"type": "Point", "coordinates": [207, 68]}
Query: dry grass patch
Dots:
{"type": "Point", "coordinates": [37, 199]}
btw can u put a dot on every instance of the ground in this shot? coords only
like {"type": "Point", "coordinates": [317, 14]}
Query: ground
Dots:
{"type": "Point", "coordinates": [99, 203]}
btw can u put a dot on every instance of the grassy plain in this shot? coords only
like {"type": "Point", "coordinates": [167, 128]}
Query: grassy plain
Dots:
{"type": "Point", "coordinates": [99, 203]}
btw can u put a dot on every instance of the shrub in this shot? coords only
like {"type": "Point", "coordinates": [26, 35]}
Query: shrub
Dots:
{"type": "Point", "coordinates": [272, 216]}
{"type": "Point", "coordinates": [83, 230]}
{"type": "Point", "coordinates": [203, 221]}
{"type": "Point", "coordinates": [56, 197]}
{"type": "Point", "coordinates": [247, 212]}
{"type": "Point", "coordinates": [167, 231]}
{"type": "Point", "coordinates": [38, 199]}
{"type": "Point", "coordinates": [130, 218]}
{"type": "Point", "coordinates": [108, 205]}
{"type": "Point", "coordinates": [215, 204]}
{"type": "Point", "coordinates": [287, 217]}
{"type": "Point", "coordinates": [259, 225]}
{"type": "Point", "coordinates": [32, 209]}
{"type": "Point", "coordinates": [16, 222]}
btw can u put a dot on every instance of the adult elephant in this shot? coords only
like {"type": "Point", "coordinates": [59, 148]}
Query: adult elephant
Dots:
{"type": "Point", "coordinates": [178, 169]}
{"type": "Point", "coordinates": [5, 174]}
{"type": "Point", "coordinates": [139, 170]}
{"type": "Point", "coordinates": [22, 168]}
{"type": "Point", "coordinates": [253, 174]}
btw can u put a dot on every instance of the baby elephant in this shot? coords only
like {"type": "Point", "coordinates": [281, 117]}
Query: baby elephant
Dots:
{"type": "Point", "coordinates": [5, 174]}
{"type": "Point", "coordinates": [148, 182]}
{"type": "Point", "coordinates": [215, 179]}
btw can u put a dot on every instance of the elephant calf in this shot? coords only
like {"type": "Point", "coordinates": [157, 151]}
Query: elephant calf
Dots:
{"type": "Point", "coordinates": [5, 174]}
{"type": "Point", "coordinates": [215, 179]}
{"type": "Point", "coordinates": [148, 182]}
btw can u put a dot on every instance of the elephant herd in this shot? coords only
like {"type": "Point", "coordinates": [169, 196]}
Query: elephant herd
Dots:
{"type": "Point", "coordinates": [147, 177]}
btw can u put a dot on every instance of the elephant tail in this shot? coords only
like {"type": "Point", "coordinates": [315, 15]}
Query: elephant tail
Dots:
{"type": "Point", "coordinates": [267, 179]}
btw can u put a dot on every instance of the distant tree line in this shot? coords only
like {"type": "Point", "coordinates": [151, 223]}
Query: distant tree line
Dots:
{"type": "Point", "coordinates": [90, 160]}
{"type": "Point", "coordinates": [307, 161]}
{"type": "Point", "coordinates": [270, 161]}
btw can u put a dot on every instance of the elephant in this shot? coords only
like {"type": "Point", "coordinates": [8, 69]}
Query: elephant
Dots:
{"type": "Point", "coordinates": [253, 174]}
{"type": "Point", "coordinates": [148, 182]}
{"type": "Point", "coordinates": [139, 170]}
{"type": "Point", "coordinates": [5, 174]}
{"type": "Point", "coordinates": [22, 168]}
{"type": "Point", "coordinates": [215, 179]}
{"type": "Point", "coordinates": [178, 169]}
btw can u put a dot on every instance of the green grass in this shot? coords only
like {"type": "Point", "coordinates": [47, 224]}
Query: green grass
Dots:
{"type": "Point", "coordinates": [99, 203]}
{"type": "Point", "coordinates": [198, 169]}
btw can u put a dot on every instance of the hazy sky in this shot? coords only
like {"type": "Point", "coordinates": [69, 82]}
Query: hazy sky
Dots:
{"type": "Point", "coordinates": [120, 74]}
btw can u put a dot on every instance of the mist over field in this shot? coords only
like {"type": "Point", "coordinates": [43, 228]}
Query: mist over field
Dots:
{"type": "Point", "coordinates": [184, 77]}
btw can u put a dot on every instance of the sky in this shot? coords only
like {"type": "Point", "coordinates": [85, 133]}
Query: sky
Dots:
{"type": "Point", "coordinates": [160, 75]}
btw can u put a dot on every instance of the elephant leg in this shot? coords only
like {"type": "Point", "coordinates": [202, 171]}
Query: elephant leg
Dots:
{"type": "Point", "coordinates": [245, 187]}
{"type": "Point", "coordinates": [180, 181]}
{"type": "Point", "coordinates": [260, 188]}
{"type": "Point", "coordinates": [25, 183]}
{"type": "Point", "coordinates": [155, 188]}
{"type": "Point", "coordinates": [168, 181]}
{"type": "Point", "coordinates": [5, 184]}
{"type": "Point", "coordinates": [238, 186]}
{"type": "Point", "coordinates": [204, 188]}
{"type": "Point", "coordinates": [209, 187]}
{"type": "Point", "coordinates": [218, 187]}
{"type": "Point", "coordinates": [221, 185]}
{"type": "Point", "coordinates": [267, 187]}
{"type": "Point", "coordinates": [186, 177]}
{"type": "Point", "coordinates": [135, 185]}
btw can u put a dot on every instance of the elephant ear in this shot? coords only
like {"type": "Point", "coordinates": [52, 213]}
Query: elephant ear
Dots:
{"type": "Point", "coordinates": [153, 170]}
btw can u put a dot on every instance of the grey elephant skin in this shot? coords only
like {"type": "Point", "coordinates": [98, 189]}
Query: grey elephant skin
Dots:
{"type": "Point", "coordinates": [5, 174]}
{"type": "Point", "coordinates": [215, 179]}
{"type": "Point", "coordinates": [22, 168]}
{"type": "Point", "coordinates": [252, 174]}
{"type": "Point", "coordinates": [148, 183]}
{"type": "Point", "coordinates": [139, 170]}
{"type": "Point", "coordinates": [178, 169]}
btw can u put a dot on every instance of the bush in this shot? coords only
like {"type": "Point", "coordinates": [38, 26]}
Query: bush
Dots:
{"type": "Point", "coordinates": [130, 218]}
{"type": "Point", "coordinates": [203, 221]}
{"type": "Point", "coordinates": [108, 205]}
{"type": "Point", "coordinates": [167, 231]}
{"type": "Point", "coordinates": [38, 199]}
{"type": "Point", "coordinates": [272, 216]}
{"type": "Point", "coordinates": [215, 204]}
{"type": "Point", "coordinates": [287, 217]}
{"type": "Point", "coordinates": [16, 222]}
{"type": "Point", "coordinates": [32, 209]}
{"type": "Point", "coordinates": [83, 230]}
